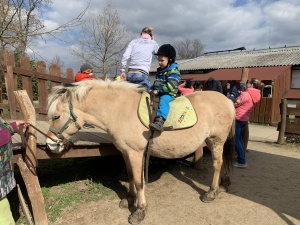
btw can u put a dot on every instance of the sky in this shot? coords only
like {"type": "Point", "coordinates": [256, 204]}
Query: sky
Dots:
{"type": "Point", "coordinates": [218, 24]}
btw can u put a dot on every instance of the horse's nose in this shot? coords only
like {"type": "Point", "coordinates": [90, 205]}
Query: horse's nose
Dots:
{"type": "Point", "coordinates": [55, 147]}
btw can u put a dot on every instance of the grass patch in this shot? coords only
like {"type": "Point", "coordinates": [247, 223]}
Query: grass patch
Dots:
{"type": "Point", "coordinates": [65, 195]}
{"type": "Point", "coordinates": [65, 182]}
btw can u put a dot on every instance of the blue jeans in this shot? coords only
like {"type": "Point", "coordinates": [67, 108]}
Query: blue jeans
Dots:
{"type": "Point", "coordinates": [239, 144]}
{"type": "Point", "coordinates": [164, 106]}
{"type": "Point", "coordinates": [139, 78]}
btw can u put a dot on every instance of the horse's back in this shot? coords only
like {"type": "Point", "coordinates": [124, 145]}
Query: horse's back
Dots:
{"type": "Point", "coordinates": [215, 116]}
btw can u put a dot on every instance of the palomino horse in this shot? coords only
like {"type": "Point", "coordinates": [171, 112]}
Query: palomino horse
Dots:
{"type": "Point", "coordinates": [112, 106]}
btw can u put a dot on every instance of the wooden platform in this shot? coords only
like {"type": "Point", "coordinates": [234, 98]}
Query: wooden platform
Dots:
{"type": "Point", "coordinates": [89, 142]}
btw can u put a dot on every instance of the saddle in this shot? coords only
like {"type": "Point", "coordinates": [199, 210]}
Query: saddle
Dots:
{"type": "Point", "coordinates": [182, 114]}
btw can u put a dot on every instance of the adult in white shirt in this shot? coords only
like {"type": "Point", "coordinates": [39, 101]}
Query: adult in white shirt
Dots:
{"type": "Point", "coordinates": [139, 53]}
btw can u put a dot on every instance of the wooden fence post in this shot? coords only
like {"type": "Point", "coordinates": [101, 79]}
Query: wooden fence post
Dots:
{"type": "Point", "coordinates": [29, 173]}
{"type": "Point", "coordinates": [56, 71]}
{"type": "Point", "coordinates": [70, 74]}
{"type": "Point", "coordinates": [26, 81]}
{"type": "Point", "coordinates": [42, 90]}
{"type": "Point", "coordinates": [10, 81]}
{"type": "Point", "coordinates": [244, 76]}
{"type": "Point", "coordinates": [282, 124]}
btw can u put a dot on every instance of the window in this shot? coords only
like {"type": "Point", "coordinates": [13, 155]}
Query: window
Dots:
{"type": "Point", "coordinates": [295, 83]}
{"type": "Point", "coordinates": [267, 91]}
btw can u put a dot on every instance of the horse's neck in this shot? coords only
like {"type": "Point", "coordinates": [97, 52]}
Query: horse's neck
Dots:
{"type": "Point", "coordinates": [112, 107]}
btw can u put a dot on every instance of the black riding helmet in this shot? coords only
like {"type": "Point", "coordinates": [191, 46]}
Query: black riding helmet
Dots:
{"type": "Point", "coordinates": [168, 51]}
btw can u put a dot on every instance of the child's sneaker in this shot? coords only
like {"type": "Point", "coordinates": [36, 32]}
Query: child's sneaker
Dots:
{"type": "Point", "coordinates": [239, 165]}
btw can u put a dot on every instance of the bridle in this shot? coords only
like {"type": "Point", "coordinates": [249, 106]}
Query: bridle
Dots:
{"type": "Point", "coordinates": [58, 133]}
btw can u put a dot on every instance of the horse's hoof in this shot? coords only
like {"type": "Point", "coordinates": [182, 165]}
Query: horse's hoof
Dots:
{"type": "Point", "coordinates": [136, 217]}
{"type": "Point", "coordinates": [209, 197]}
{"type": "Point", "coordinates": [126, 203]}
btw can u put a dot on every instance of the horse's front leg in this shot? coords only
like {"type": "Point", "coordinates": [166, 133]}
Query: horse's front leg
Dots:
{"type": "Point", "coordinates": [136, 162]}
{"type": "Point", "coordinates": [217, 165]}
{"type": "Point", "coordinates": [134, 165]}
{"type": "Point", "coordinates": [131, 195]}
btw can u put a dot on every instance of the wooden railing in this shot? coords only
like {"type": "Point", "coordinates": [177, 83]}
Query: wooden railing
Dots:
{"type": "Point", "coordinates": [288, 126]}
{"type": "Point", "coordinates": [44, 83]}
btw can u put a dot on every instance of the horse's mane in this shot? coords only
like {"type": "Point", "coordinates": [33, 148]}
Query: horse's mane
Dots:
{"type": "Point", "coordinates": [76, 92]}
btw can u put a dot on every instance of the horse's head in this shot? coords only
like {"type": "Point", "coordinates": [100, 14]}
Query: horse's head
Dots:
{"type": "Point", "coordinates": [64, 123]}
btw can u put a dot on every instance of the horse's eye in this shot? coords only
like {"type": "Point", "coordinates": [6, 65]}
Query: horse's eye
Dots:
{"type": "Point", "coordinates": [55, 117]}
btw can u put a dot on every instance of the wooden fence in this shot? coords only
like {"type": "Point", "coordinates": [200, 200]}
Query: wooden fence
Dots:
{"type": "Point", "coordinates": [288, 126]}
{"type": "Point", "coordinates": [45, 81]}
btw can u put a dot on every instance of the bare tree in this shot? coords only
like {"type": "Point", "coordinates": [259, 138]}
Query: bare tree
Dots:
{"type": "Point", "coordinates": [103, 40]}
{"type": "Point", "coordinates": [20, 22]}
{"type": "Point", "coordinates": [189, 48]}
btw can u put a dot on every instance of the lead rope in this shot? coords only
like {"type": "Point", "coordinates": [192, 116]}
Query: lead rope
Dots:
{"type": "Point", "coordinates": [27, 160]}
{"type": "Point", "coordinates": [147, 150]}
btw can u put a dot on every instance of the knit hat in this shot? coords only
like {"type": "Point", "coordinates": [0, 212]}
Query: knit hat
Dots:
{"type": "Point", "coordinates": [243, 87]}
{"type": "Point", "coordinates": [86, 67]}
{"type": "Point", "coordinates": [188, 84]}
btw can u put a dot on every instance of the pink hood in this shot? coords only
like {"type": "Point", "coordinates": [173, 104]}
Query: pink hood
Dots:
{"type": "Point", "coordinates": [255, 94]}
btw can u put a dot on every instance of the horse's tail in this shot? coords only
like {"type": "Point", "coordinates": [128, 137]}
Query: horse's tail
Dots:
{"type": "Point", "coordinates": [229, 148]}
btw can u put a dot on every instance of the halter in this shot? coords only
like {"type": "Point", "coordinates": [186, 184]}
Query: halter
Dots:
{"type": "Point", "coordinates": [58, 133]}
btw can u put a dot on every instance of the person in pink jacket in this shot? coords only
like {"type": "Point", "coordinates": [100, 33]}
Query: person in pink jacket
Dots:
{"type": "Point", "coordinates": [244, 106]}
{"type": "Point", "coordinates": [186, 87]}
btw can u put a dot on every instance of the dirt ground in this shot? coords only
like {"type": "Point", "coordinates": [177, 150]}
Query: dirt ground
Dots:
{"type": "Point", "coordinates": [266, 193]}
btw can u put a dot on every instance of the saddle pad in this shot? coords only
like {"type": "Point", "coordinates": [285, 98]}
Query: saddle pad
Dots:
{"type": "Point", "coordinates": [181, 115]}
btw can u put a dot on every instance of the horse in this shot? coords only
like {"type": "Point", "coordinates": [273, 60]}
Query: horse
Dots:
{"type": "Point", "coordinates": [112, 106]}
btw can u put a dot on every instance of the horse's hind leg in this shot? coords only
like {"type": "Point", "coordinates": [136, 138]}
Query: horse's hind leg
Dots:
{"type": "Point", "coordinates": [225, 179]}
{"type": "Point", "coordinates": [216, 149]}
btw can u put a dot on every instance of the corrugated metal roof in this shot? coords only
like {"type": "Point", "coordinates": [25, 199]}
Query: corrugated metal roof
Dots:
{"type": "Point", "coordinates": [287, 56]}
{"type": "Point", "coordinates": [261, 73]}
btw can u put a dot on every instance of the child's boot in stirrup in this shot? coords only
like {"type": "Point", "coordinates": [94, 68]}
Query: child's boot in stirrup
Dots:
{"type": "Point", "coordinates": [158, 124]}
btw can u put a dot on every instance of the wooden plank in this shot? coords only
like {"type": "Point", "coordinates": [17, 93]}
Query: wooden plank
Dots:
{"type": "Point", "coordinates": [262, 109]}
{"type": "Point", "coordinates": [28, 169]}
{"type": "Point", "coordinates": [292, 128]}
{"type": "Point", "coordinates": [26, 81]}
{"type": "Point", "coordinates": [40, 75]}
{"type": "Point", "coordinates": [293, 111]}
{"type": "Point", "coordinates": [24, 206]}
{"type": "Point", "coordinates": [34, 193]}
{"type": "Point", "coordinates": [56, 71]}
{"type": "Point", "coordinates": [70, 74]}
{"type": "Point", "coordinates": [268, 111]}
{"type": "Point", "coordinates": [42, 92]}
{"type": "Point", "coordinates": [4, 105]}
{"type": "Point", "coordinates": [9, 82]}
{"type": "Point", "coordinates": [80, 151]}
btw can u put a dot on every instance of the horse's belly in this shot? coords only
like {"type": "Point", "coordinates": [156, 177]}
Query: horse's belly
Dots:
{"type": "Point", "coordinates": [171, 151]}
